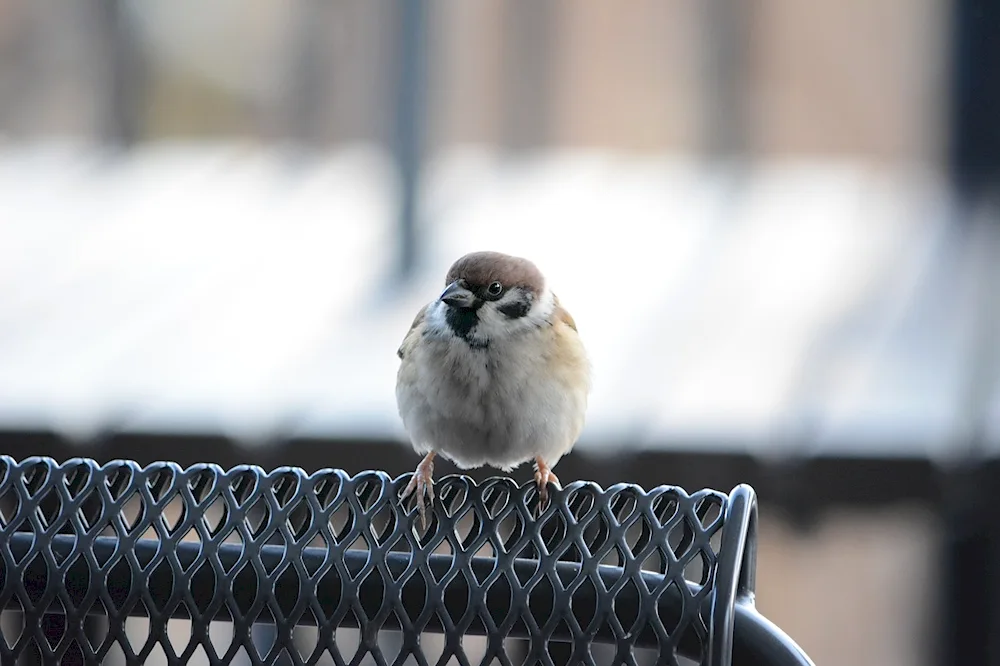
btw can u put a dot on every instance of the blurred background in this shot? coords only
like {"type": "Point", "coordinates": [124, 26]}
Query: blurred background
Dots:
{"type": "Point", "coordinates": [774, 223]}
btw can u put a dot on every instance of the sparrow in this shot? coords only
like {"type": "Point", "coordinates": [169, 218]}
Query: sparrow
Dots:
{"type": "Point", "coordinates": [493, 372]}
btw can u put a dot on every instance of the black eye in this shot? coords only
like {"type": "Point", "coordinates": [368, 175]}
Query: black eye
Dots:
{"type": "Point", "coordinates": [495, 289]}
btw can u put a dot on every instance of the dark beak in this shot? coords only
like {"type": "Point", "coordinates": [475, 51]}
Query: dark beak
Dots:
{"type": "Point", "coordinates": [458, 296]}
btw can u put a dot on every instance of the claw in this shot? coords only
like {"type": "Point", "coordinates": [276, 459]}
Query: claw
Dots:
{"type": "Point", "coordinates": [422, 482]}
{"type": "Point", "coordinates": [543, 477]}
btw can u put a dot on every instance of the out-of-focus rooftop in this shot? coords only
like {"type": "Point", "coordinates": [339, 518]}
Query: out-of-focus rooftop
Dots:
{"type": "Point", "coordinates": [225, 287]}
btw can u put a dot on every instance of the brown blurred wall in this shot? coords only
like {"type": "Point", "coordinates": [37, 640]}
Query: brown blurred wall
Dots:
{"type": "Point", "coordinates": [853, 79]}
{"type": "Point", "coordinates": [860, 587]}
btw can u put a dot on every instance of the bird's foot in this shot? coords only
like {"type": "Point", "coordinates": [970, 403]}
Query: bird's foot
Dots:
{"type": "Point", "coordinates": [543, 477]}
{"type": "Point", "coordinates": [422, 482]}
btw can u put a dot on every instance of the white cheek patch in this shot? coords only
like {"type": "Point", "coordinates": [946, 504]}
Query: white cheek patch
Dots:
{"type": "Point", "coordinates": [435, 317]}
{"type": "Point", "coordinates": [542, 310]}
{"type": "Point", "coordinates": [494, 324]}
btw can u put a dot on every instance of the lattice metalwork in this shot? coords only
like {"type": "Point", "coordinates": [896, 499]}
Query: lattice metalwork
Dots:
{"type": "Point", "coordinates": [103, 563]}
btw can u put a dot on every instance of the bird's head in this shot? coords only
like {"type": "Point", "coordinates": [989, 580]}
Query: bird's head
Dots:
{"type": "Point", "coordinates": [491, 296]}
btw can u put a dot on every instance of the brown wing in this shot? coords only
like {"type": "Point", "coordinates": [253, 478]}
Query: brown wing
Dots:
{"type": "Point", "coordinates": [561, 314]}
{"type": "Point", "coordinates": [412, 334]}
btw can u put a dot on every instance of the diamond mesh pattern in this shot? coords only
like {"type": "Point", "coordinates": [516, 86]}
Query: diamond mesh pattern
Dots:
{"type": "Point", "coordinates": [123, 564]}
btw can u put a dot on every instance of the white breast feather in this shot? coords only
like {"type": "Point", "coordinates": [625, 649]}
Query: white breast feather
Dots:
{"type": "Point", "coordinates": [501, 405]}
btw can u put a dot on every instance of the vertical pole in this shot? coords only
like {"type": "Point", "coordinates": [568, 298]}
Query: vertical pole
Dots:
{"type": "Point", "coordinates": [123, 61]}
{"type": "Point", "coordinates": [974, 146]}
{"type": "Point", "coordinates": [725, 56]}
{"type": "Point", "coordinates": [309, 78]}
{"type": "Point", "coordinates": [411, 94]}
{"type": "Point", "coordinates": [970, 581]}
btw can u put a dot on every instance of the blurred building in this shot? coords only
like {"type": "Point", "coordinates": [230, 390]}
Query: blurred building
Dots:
{"type": "Point", "coordinates": [854, 80]}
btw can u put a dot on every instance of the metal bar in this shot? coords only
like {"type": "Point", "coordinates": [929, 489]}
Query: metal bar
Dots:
{"type": "Point", "coordinates": [308, 79]}
{"type": "Point", "coordinates": [970, 632]}
{"type": "Point", "coordinates": [163, 590]}
{"type": "Point", "coordinates": [411, 99]}
{"type": "Point", "coordinates": [974, 147]}
{"type": "Point", "coordinates": [725, 108]}
{"type": "Point", "coordinates": [121, 119]}
{"type": "Point", "coordinates": [755, 639]}
{"type": "Point", "coordinates": [758, 641]}
{"type": "Point", "coordinates": [735, 574]}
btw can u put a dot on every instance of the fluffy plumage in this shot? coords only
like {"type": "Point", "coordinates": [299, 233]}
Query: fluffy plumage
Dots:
{"type": "Point", "coordinates": [493, 372]}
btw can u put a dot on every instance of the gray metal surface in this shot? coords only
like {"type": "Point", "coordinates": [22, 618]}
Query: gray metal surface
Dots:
{"type": "Point", "coordinates": [84, 547]}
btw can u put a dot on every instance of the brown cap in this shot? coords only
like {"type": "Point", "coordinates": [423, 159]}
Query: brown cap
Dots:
{"type": "Point", "coordinates": [479, 269]}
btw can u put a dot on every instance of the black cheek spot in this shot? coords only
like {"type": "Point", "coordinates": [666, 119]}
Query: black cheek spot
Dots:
{"type": "Point", "coordinates": [515, 309]}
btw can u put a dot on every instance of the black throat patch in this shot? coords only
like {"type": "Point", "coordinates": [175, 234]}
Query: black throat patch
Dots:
{"type": "Point", "coordinates": [462, 321]}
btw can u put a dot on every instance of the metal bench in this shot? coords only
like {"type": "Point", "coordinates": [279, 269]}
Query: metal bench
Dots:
{"type": "Point", "coordinates": [119, 563]}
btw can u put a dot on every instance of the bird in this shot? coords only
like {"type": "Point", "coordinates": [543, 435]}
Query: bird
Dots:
{"type": "Point", "coordinates": [493, 372]}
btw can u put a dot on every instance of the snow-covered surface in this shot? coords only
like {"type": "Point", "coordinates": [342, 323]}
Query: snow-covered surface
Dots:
{"type": "Point", "coordinates": [228, 288]}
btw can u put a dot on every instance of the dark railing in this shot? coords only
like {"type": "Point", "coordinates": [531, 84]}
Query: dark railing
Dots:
{"type": "Point", "coordinates": [655, 577]}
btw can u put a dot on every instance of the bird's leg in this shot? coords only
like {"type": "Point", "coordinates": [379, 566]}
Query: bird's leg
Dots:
{"type": "Point", "coordinates": [422, 481]}
{"type": "Point", "coordinates": [544, 476]}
